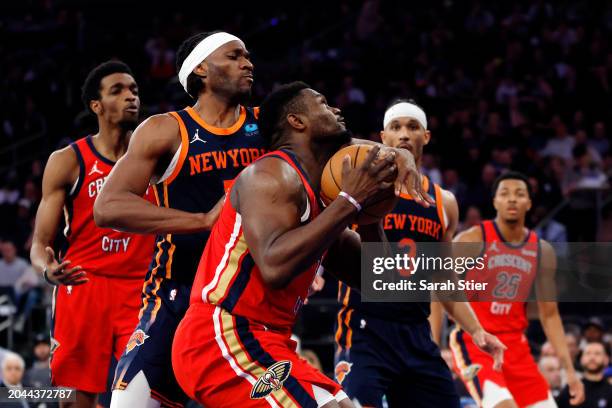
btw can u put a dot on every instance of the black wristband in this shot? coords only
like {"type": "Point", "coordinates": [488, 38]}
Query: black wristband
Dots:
{"type": "Point", "coordinates": [49, 281]}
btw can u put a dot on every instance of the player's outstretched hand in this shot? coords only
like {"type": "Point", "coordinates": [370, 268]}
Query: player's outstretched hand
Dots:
{"type": "Point", "coordinates": [61, 273]}
{"type": "Point", "coordinates": [576, 389]}
{"type": "Point", "coordinates": [491, 345]}
{"type": "Point", "coordinates": [316, 286]}
{"type": "Point", "coordinates": [409, 176]}
{"type": "Point", "coordinates": [211, 217]}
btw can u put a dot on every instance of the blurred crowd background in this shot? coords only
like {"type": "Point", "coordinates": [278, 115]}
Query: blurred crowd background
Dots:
{"type": "Point", "coordinates": [523, 85]}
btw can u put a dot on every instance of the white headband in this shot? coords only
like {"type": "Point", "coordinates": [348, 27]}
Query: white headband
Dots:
{"type": "Point", "coordinates": [405, 109]}
{"type": "Point", "coordinates": [206, 47]}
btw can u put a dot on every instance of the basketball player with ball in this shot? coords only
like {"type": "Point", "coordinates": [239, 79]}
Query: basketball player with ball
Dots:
{"type": "Point", "coordinates": [233, 347]}
{"type": "Point", "coordinates": [386, 349]}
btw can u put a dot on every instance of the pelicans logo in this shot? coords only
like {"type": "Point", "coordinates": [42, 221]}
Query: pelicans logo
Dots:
{"type": "Point", "coordinates": [342, 370]}
{"type": "Point", "coordinates": [138, 338]}
{"type": "Point", "coordinates": [271, 380]}
{"type": "Point", "coordinates": [470, 371]}
{"type": "Point", "coordinates": [54, 345]}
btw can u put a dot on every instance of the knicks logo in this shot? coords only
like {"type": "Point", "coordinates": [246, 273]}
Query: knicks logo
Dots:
{"type": "Point", "coordinates": [138, 338]}
{"type": "Point", "coordinates": [343, 368]}
{"type": "Point", "coordinates": [271, 380]}
{"type": "Point", "coordinates": [470, 371]}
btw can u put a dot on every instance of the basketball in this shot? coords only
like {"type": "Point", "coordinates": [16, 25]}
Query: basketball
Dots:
{"type": "Point", "coordinates": [331, 182]}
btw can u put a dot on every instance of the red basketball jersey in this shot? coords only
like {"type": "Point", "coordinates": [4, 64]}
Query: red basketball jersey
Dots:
{"type": "Point", "coordinates": [100, 251]}
{"type": "Point", "coordinates": [509, 273]}
{"type": "Point", "coordinates": [227, 275]}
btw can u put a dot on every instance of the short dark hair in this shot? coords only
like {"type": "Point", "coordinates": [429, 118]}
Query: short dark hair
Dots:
{"type": "Point", "coordinates": [604, 345]}
{"type": "Point", "coordinates": [512, 175]}
{"type": "Point", "coordinates": [91, 87]}
{"type": "Point", "coordinates": [194, 82]}
{"type": "Point", "coordinates": [275, 108]}
{"type": "Point", "coordinates": [400, 100]}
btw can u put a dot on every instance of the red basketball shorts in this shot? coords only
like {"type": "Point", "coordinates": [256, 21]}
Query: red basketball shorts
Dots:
{"type": "Point", "coordinates": [90, 323]}
{"type": "Point", "coordinates": [519, 378]}
{"type": "Point", "coordinates": [222, 360]}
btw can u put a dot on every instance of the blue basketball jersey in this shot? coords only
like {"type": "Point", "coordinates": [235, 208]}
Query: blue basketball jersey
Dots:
{"type": "Point", "coordinates": [208, 159]}
{"type": "Point", "coordinates": [408, 224]}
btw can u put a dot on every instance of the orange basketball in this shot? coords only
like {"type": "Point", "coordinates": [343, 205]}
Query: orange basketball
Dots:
{"type": "Point", "coordinates": [331, 181]}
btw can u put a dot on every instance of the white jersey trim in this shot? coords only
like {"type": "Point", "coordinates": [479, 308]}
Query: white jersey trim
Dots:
{"type": "Point", "coordinates": [171, 166]}
{"type": "Point", "coordinates": [225, 352]}
{"type": "Point", "coordinates": [493, 394]}
{"type": "Point", "coordinates": [306, 214]}
{"type": "Point", "coordinates": [74, 186]}
{"type": "Point", "coordinates": [221, 265]}
{"type": "Point", "coordinates": [445, 220]}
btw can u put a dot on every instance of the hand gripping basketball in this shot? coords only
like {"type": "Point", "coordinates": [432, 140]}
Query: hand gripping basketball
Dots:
{"type": "Point", "coordinates": [369, 177]}
{"type": "Point", "coordinates": [366, 180]}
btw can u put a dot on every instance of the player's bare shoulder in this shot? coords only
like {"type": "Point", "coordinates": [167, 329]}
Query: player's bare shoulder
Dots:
{"type": "Point", "coordinates": [448, 199]}
{"type": "Point", "coordinates": [548, 257]}
{"type": "Point", "coordinates": [269, 176]}
{"type": "Point", "coordinates": [164, 122]}
{"type": "Point", "coordinates": [469, 242]}
{"type": "Point", "coordinates": [473, 234]}
{"type": "Point", "coordinates": [450, 207]}
{"type": "Point", "coordinates": [62, 169]}
{"type": "Point", "coordinates": [159, 132]}
{"type": "Point", "coordinates": [546, 247]}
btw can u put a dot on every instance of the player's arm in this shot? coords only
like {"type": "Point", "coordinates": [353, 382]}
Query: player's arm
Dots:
{"type": "Point", "coordinates": [61, 172]}
{"type": "Point", "coordinates": [551, 321]}
{"type": "Point", "coordinates": [270, 199]}
{"type": "Point", "coordinates": [436, 315]}
{"type": "Point", "coordinates": [121, 206]}
{"type": "Point", "coordinates": [343, 259]}
{"type": "Point", "coordinates": [461, 311]}
{"type": "Point", "coordinates": [436, 320]}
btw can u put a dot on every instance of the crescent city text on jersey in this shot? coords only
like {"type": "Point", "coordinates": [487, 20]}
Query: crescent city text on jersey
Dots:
{"type": "Point", "coordinates": [94, 188]}
{"type": "Point", "coordinates": [109, 243]}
